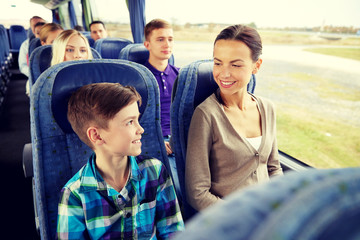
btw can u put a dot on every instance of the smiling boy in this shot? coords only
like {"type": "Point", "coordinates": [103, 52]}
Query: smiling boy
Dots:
{"type": "Point", "coordinates": [115, 195]}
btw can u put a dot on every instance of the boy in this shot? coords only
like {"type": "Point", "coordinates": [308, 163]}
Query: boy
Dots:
{"type": "Point", "coordinates": [115, 195]}
{"type": "Point", "coordinates": [159, 41]}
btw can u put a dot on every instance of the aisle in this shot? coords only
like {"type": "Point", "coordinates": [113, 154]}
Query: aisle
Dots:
{"type": "Point", "coordinates": [16, 197]}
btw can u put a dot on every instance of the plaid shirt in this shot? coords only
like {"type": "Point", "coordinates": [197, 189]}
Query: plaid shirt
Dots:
{"type": "Point", "coordinates": [146, 208]}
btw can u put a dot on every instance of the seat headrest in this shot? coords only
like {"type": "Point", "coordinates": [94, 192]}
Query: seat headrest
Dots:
{"type": "Point", "coordinates": [138, 53]}
{"type": "Point", "coordinates": [110, 47]}
{"type": "Point", "coordinates": [80, 73]}
{"type": "Point", "coordinates": [42, 60]}
{"type": "Point", "coordinates": [45, 58]}
{"type": "Point", "coordinates": [206, 84]}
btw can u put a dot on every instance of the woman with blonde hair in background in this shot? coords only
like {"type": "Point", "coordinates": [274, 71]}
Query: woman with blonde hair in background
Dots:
{"type": "Point", "coordinates": [70, 45]}
{"type": "Point", "coordinates": [49, 32]}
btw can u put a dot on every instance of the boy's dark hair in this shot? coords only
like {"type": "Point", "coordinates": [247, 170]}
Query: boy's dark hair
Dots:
{"type": "Point", "coordinates": [97, 22]}
{"type": "Point", "coordinates": [95, 104]}
{"type": "Point", "coordinates": [155, 24]}
{"type": "Point", "coordinates": [245, 34]}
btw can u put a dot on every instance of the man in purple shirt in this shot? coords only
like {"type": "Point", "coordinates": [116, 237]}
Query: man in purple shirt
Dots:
{"type": "Point", "coordinates": [159, 41]}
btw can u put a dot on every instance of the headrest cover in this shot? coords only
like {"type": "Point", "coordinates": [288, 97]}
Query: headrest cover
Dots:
{"type": "Point", "coordinates": [72, 77]}
{"type": "Point", "coordinates": [206, 84]}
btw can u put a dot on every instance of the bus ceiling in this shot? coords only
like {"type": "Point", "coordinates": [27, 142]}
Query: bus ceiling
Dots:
{"type": "Point", "coordinates": [65, 13]}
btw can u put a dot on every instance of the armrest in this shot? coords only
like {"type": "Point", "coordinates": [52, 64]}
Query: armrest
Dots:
{"type": "Point", "coordinates": [27, 160]}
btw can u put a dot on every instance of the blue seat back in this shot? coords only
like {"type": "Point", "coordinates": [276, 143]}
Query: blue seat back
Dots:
{"type": "Point", "coordinates": [110, 47]}
{"type": "Point", "coordinates": [40, 60]}
{"type": "Point", "coordinates": [57, 151]}
{"type": "Point", "coordinates": [311, 204]}
{"type": "Point", "coordinates": [193, 85]}
{"type": "Point", "coordinates": [90, 40]}
{"type": "Point", "coordinates": [34, 43]}
{"type": "Point", "coordinates": [17, 34]}
{"type": "Point", "coordinates": [138, 53]}
{"type": "Point", "coordinates": [5, 45]}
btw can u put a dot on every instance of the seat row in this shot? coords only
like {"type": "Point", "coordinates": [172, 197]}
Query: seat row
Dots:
{"type": "Point", "coordinates": [10, 41]}
{"type": "Point", "coordinates": [40, 57]}
{"type": "Point", "coordinates": [58, 153]}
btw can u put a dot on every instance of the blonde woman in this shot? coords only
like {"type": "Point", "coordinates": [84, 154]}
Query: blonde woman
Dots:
{"type": "Point", "coordinates": [49, 32]}
{"type": "Point", "coordinates": [70, 45]}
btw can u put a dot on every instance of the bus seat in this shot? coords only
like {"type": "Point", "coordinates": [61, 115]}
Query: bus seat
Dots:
{"type": "Point", "coordinates": [57, 151]}
{"type": "Point", "coordinates": [5, 44]}
{"type": "Point", "coordinates": [310, 204]}
{"type": "Point", "coordinates": [90, 40]}
{"type": "Point", "coordinates": [5, 60]}
{"type": "Point", "coordinates": [193, 85]}
{"type": "Point", "coordinates": [138, 53]}
{"type": "Point", "coordinates": [17, 34]}
{"type": "Point", "coordinates": [34, 43]}
{"type": "Point", "coordinates": [40, 60]}
{"type": "Point", "coordinates": [110, 47]}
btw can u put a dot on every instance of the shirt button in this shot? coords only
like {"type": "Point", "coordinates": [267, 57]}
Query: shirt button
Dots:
{"type": "Point", "coordinates": [165, 87]}
{"type": "Point", "coordinates": [162, 74]}
{"type": "Point", "coordinates": [163, 80]}
{"type": "Point", "coordinates": [256, 154]}
{"type": "Point", "coordinates": [255, 172]}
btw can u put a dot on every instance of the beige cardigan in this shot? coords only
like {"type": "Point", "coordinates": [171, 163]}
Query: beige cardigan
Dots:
{"type": "Point", "coordinates": [220, 161]}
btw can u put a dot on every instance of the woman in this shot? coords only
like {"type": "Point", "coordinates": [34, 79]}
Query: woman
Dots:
{"type": "Point", "coordinates": [70, 45]}
{"type": "Point", "coordinates": [232, 135]}
{"type": "Point", "coordinates": [49, 32]}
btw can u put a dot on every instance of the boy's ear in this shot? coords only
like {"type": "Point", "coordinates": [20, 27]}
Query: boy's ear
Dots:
{"type": "Point", "coordinates": [94, 136]}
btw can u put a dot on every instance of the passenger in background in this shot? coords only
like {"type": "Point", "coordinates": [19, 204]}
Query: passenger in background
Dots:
{"type": "Point", "coordinates": [159, 41]}
{"type": "Point", "coordinates": [117, 194]}
{"type": "Point", "coordinates": [97, 30]}
{"type": "Point", "coordinates": [24, 48]}
{"type": "Point", "coordinates": [70, 45]}
{"type": "Point", "coordinates": [232, 136]}
{"type": "Point", "coordinates": [37, 29]}
{"type": "Point", "coordinates": [49, 32]}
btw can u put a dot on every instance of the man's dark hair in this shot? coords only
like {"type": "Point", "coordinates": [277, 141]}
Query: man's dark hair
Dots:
{"type": "Point", "coordinates": [97, 22]}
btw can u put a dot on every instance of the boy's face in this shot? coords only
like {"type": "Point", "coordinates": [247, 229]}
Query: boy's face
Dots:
{"type": "Point", "coordinates": [160, 43]}
{"type": "Point", "coordinates": [122, 138]}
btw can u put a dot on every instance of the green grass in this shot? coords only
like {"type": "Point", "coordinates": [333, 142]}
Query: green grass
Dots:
{"type": "Point", "coordinates": [351, 53]}
{"type": "Point", "coordinates": [319, 142]}
{"type": "Point", "coordinates": [326, 88]}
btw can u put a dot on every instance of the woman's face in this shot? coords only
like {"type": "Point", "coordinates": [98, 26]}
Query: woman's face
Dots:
{"type": "Point", "coordinates": [233, 65]}
{"type": "Point", "coordinates": [76, 49]}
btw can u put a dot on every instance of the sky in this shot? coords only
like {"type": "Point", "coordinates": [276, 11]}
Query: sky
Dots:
{"type": "Point", "coordinates": [264, 13]}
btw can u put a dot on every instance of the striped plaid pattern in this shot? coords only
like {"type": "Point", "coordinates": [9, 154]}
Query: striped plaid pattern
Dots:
{"type": "Point", "coordinates": [146, 208]}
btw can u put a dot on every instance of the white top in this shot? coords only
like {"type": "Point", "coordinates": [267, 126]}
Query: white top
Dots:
{"type": "Point", "coordinates": [255, 142]}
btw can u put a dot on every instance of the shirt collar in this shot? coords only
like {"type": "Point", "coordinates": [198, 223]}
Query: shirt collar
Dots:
{"type": "Point", "coordinates": [157, 72]}
{"type": "Point", "coordinates": [91, 179]}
